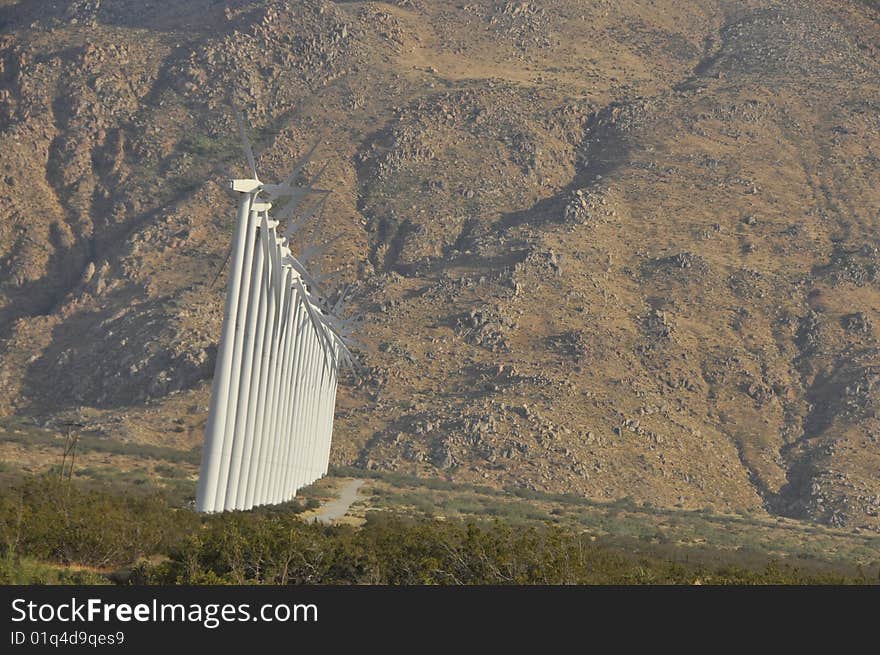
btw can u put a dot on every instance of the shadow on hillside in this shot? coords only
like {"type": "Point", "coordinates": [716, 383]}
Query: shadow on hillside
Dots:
{"type": "Point", "coordinates": [602, 151]}
{"type": "Point", "coordinates": [114, 356]}
{"type": "Point", "coordinates": [200, 16]}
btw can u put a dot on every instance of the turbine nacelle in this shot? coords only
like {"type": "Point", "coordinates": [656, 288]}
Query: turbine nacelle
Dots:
{"type": "Point", "coordinates": [246, 185]}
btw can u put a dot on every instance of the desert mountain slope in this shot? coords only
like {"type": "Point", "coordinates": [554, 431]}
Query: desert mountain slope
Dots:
{"type": "Point", "coordinates": [616, 248]}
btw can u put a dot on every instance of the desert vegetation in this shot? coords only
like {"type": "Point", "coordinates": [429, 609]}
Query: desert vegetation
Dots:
{"type": "Point", "coordinates": [55, 531]}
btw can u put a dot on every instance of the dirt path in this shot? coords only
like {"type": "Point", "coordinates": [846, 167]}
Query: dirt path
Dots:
{"type": "Point", "coordinates": [335, 509]}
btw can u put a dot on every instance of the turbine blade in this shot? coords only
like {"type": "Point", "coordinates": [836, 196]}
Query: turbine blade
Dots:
{"type": "Point", "coordinates": [339, 305]}
{"type": "Point", "coordinates": [301, 164]}
{"type": "Point", "coordinates": [299, 268]}
{"type": "Point", "coordinates": [316, 323]}
{"type": "Point", "coordinates": [222, 266]}
{"type": "Point", "coordinates": [246, 144]}
{"type": "Point", "coordinates": [320, 173]}
{"type": "Point", "coordinates": [294, 226]}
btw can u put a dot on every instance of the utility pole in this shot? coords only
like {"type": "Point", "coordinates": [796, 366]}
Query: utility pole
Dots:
{"type": "Point", "coordinates": [68, 456]}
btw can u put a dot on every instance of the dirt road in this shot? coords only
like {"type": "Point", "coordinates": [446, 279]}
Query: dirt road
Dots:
{"type": "Point", "coordinates": [337, 508]}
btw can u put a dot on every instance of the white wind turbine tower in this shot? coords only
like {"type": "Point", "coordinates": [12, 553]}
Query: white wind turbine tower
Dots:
{"type": "Point", "coordinates": [270, 420]}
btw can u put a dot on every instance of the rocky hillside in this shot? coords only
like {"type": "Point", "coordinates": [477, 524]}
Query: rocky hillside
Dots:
{"type": "Point", "coordinates": [616, 248]}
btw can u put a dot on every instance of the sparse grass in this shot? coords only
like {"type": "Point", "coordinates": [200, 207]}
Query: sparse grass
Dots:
{"type": "Point", "coordinates": [169, 471]}
{"type": "Point", "coordinates": [168, 474]}
{"type": "Point", "coordinates": [628, 524]}
{"type": "Point", "coordinates": [30, 436]}
{"type": "Point", "coordinates": [202, 145]}
{"type": "Point", "coordinates": [26, 571]}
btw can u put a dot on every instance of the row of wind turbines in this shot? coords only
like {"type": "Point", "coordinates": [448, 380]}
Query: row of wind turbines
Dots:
{"type": "Point", "coordinates": [281, 349]}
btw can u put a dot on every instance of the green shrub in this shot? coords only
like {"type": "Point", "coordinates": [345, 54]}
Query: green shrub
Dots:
{"type": "Point", "coordinates": [45, 522]}
{"type": "Point", "coordinates": [50, 519]}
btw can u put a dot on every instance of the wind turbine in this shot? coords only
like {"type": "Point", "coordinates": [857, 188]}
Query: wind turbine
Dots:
{"type": "Point", "coordinates": [270, 418]}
